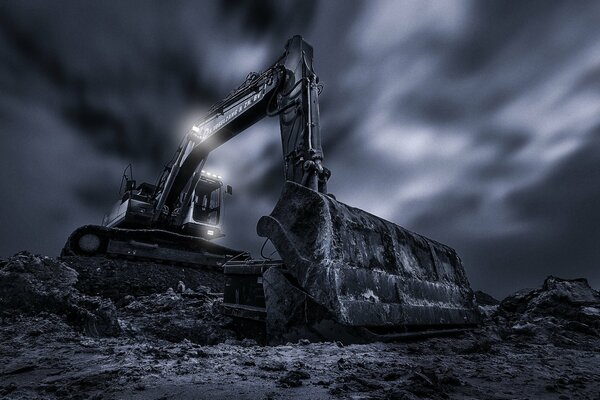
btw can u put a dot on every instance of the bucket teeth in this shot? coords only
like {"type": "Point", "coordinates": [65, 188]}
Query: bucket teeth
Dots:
{"type": "Point", "coordinates": [366, 271]}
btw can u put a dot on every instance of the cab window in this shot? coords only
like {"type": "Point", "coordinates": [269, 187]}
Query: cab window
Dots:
{"type": "Point", "coordinates": [207, 202]}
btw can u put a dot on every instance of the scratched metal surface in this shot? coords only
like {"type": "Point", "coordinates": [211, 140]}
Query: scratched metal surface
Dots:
{"type": "Point", "coordinates": [367, 271]}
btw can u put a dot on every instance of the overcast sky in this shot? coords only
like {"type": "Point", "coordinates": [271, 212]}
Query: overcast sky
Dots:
{"type": "Point", "coordinates": [474, 123]}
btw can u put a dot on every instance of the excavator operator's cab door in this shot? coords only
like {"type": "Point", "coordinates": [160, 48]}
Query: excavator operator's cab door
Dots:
{"type": "Point", "coordinates": [204, 216]}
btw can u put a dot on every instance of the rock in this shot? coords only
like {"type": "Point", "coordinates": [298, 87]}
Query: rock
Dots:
{"type": "Point", "coordinates": [293, 378]}
{"type": "Point", "coordinates": [591, 311]}
{"type": "Point", "coordinates": [175, 317]}
{"type": "Point", "coordinates": [207, 290]}
{"type": "Point", "coordinates": [343, 363]}
{"type": "Point", "coordinates": [247, 362]}
{"type": "Point", "coordinates": [579, 327]}
{"type": "Point", "coordinates": [135, 307]}
{"type": "Point", "coordinates": [429, 383]}
{"type": "Point", "coordinates": [484, 299]}
{"type": "Point", "coordinates": [31, 284]}
{"type": "Point", "coordinates": [8, 389]}
{"type": "Point", "coordinates": [487, 304]}
{"type": "Point", "coordinates": [527, 328]}
{"type": "Point", "coordinates": [272, 365]}
{"type": "Point", "coordinates": [559, 306]}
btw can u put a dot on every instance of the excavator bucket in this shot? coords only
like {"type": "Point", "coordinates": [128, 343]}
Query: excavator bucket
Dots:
{"type": "Point", "coordinates": [349, 275]}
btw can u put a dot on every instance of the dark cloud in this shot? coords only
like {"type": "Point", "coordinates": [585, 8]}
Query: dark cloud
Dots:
{"type": "Point", "coordinates": [472, 122]}
{"type": "Point", "coordinates": [564, 203]}
{"type": "Point", "coordinates": [434, 108]}
{"type": "Point", "coordinates": [506, 142]}
{"type": "Point", "coordinates": [555, 223]}
{"type": "Point", "coordinates": [494, 26]}
{"type": "Point", "coordinates": [271, 18]}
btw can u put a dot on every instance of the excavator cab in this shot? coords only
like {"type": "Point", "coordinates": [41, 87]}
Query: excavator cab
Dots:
{"type": "Point", "coordinates": [204, 215]}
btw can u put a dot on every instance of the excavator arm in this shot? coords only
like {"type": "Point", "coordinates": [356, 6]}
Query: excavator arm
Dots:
{"type": "Point", "coordinates": [288, 89]}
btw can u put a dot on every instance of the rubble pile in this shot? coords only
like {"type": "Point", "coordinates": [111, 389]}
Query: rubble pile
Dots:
{"type": "Point", "coordinates": [30, 285]}
{"type": "Point", "coordinates": [558, 310]}
{"type": "Point", "coordinates": [101, 297]}
{"type": "Point", "coordinates": [486, 303]}
{"type": "Point", "coordinates": [190, 315]}
{"type": "Point", "coordinates": [118, 278]}
{"type": "Point", "coordinates": [484, 299]}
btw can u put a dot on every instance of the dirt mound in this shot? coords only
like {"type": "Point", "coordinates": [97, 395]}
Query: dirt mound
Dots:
{"type": "Point", "coordinates": [118, 278]}
{"type": "Point", "coordinates": [192, 315]}
{"type": "Point", "coordinates": [31, 284]}
{"type": "Point", "coordinates": [484, 299]}
{"type": "Point", "coordinates": [103, 297]}
{"type": "Point", "coordinates": [560, 308]}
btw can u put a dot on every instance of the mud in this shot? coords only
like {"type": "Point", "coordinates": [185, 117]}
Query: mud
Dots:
{"type": "Point", "coordinates": [172, 343]}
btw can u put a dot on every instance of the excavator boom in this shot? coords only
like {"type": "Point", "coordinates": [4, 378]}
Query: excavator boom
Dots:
{"type": "Point", "coordinates": [287, 89]}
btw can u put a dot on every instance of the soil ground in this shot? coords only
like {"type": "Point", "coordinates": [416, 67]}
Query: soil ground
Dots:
{"type": "Point", "coordinates": [170, 343]}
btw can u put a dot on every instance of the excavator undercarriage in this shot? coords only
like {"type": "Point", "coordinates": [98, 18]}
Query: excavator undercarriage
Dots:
{"type": "Point", "coordinates": [149, 244]}
{"type": "Point", "coordinates": [344, 274]}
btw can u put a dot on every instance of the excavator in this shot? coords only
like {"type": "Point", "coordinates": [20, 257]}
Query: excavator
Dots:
{"type": "Point", "coordinates": [344, 274]}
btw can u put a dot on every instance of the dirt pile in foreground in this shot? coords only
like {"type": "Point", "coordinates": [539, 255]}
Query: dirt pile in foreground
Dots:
{"type": "Point", "coordinates": [118, 278]}
{"type": "Point", "coordinates": [30, 285]}
{"type": "Point", "coordinates": [191, 315]}
{"type": "Point", "coordinates": [101, 297]}
{"type": "Point", "coordinates": [164, 339]}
